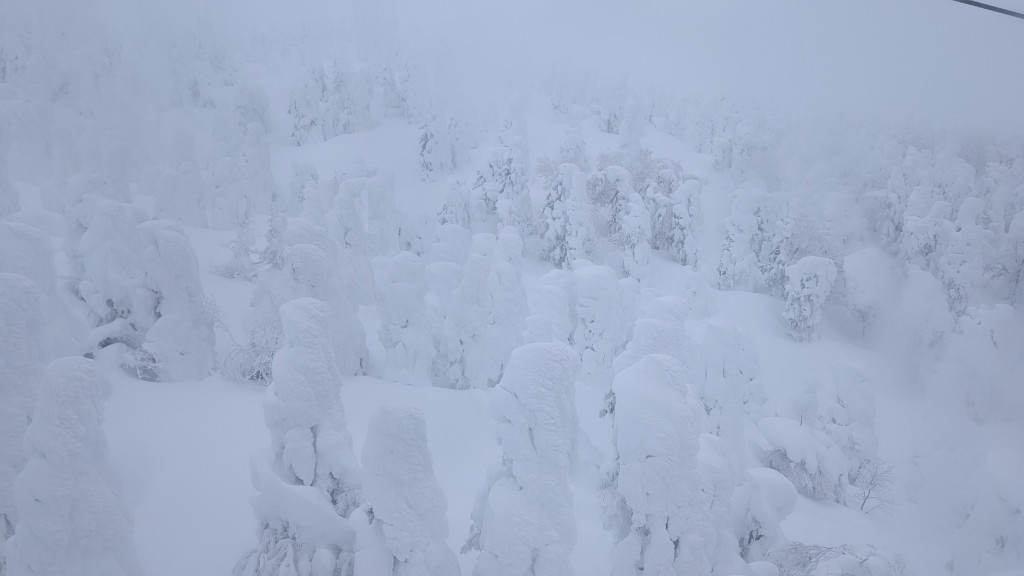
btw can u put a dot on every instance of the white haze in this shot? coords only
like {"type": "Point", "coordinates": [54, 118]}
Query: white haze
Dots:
{"type": "Point", "coordinates": [169, 183]}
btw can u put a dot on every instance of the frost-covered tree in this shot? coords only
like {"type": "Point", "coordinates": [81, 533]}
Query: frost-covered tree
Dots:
{"type": "Point", "coordinates": [678, 222]}
{"type": "Point", "coordinates": [405, 326]}
{"type": "Point", "coordinates": [652, 492]}
{"type": "Point", "coordinates": [308, 265]}
{"type": "Point", "coordinates": [659, 330]}
{"type": "Point", "coordinates": [463, 361]}
{"type": "Point", "coordinates": [566, 225]}
{"type": "Point", "coordinates": [747, 230]}
{"type": "Point", "coordinates": [10, 201]}
{"type": "Point", "coordinates": [962, 264]}
{"type": "Point", "coordinates": [808, 284]}
{"type": "Point", "coordinates": [574, 148]}
{"type": "Point", "coordinates": [869, 281]}
{"type": "Point", "coordinates": [922, 318]}
{"type": "Point", "coordinates": [228, 195]}
{"type": "Point", "coordinates": [304, 177]}
{"type": "Point", "coordinates": [509, 307]}
{"type": "Point", "coordinates": [884, 210]}
{"type": "Point", "coordinates": [925, 238]}
{"type": "Point", "coordinates": [1014, 256]}
{"type": "Point", "coordinates": [309, 481]}
{"type": "Point", "coordinates": [22, 358]}
{"type": "Point", "coordinates": [573, 151]}
{"type": "Point", "coordinates": [523, 519]}
{"type": "Point", "coordinates": [142, 287]}
{"type": "Point", "coordinates": [70, 516]}
{"type": "Point", "coordinates": [29, 252]}
{"type": "Point", "coordinates": [610, 190]}
{"type": "Point", "coordinates": [347, 101]}
{"type": "Point", "coordinates": [371, 198]}
{"type": "Point", "coordinates": [989, 538]}
{"type": "Point", "coordinates": [344, 223]}
{"type": "Point", "coordinates": [306, 106]}
{"type": "Point", "coordinates": [405, 501]}
{"type": "Point", "coordinates": [551, 299]}
{"type": "Point", "coordinates": [635, 237]}
{"type": "Point", "coordinates": [180, 340]}
{"type": "Point", "coordinates": [241, 265]}
{"type": "Point", "coordinates": [503, 187]}
{"type": "Point", "coordinates": [440, 148]}
{"type": "Point", "coordinates": [759, 505]}
{"type": "Point", "coordinates": [181, 195]}
{"type": "Point", "coordinates": [600, 329]}
{"type": "Point", "coordinates": [807, 457]}
{"type": "Point", "coordinates": [257, 178]}
{"type": "Point", "coordinates": [730, 385]}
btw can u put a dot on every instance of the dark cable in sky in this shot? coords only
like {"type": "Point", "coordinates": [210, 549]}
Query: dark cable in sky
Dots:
{"type": "Point", "coordinates": [992, 8]}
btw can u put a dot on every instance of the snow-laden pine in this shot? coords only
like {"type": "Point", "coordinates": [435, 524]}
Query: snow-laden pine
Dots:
{"type": "Point", "coordinates": [406, 506]}
{"type": "Point", "coordinates": [309, 481]}
{"type": "Point", "coordinates": [71, 519]}
{"type": "Point", "coordinates": [523, 520]}
{"type": "Point", "coordinates": [22, 359]}
{"type": "Point", "coordinates": [652, 492]}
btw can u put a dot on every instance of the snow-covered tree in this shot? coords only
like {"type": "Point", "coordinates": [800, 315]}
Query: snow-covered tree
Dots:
{"type": "Point", "coordinates": [309, 481]}
{"type": "Point", "coordinates": [463, 361]}
{"type": "Point", "coordinates": [180, 339]}
{"type": "Point", "coordinates": [652, 489]}
{"type": "Point", "coordinates": [884, 210]}
{"type": "Point", "coordinates": [10, 202]}
{"type": "Point", "coordinates": [660, 329]}
{"type": "Point", "coordinates": [304, 177]}
{"type": "Point", "coordinates": [306, 106]}
{"type": "Point", "coordinates": [404, 499]}
{"type": "Point", "coordinates": [405, 327]}
{"type": "Point", "coordinates": [309, 268]}
{"type": "Point", "coordinates": [923, 317]}
{"type": "Point", "coordinates": [869, 281]}
{"type": "Point", "coordinates": [523, 519]}
{"type": "Point", "coordinates": [440, 150]}
{"type": "Point", "coordinates": [551, 300]}
{"type": "Point", "coordinates": [228, 195]}
{"type": "Point", "coordinates": [574, 149]}
{"type": "Point", "coordinates": [22, 358]}
{"type": "Point", "coordinates": [962, 265]}
{"type": "Point", "coordinates": [509, 307]}
{"type": "Point", "coordinates": [730, 385]}
{"type": "Point", "coordinates": [181, 194]}
{"type": "Point", "coordinates": [678, 221]}
{"type": "Point", "coordinates": [747, 230]}
{"type": "Point", "coordinates": [759, 505]}
{"type": "Point", "coordinates": [503, 186]}
{"type": "Point", "coordinates": [610, 190]}
{"type": "Point", "coordinates": [925, 238]}
{"type": "Point", "coordinates": [28, 251]}
{"type": "Point", "coordinates": [241, 264]}
{"type": "Point", "coordinates": [566, 225]}
{"type": "Point", "coordinates": [808, 284]}
{"type": "Point", "coordinates": [600, 329]}
{"type": "Point", "coordinates": [635, 237]}
{"type": "Point", "coordinates": [1015, 259]}
{"type": "Point", "coordinates": [379, 209]}
{"type": "Point", "coordinates": [141, 284]}
{"type": "Point", "coordinates": [807, 457]}
{"type": "Point", "coordinates": [70, 516]}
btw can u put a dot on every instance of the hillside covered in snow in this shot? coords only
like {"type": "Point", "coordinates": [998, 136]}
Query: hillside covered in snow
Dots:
{"type": "Point", "coordinates": [395, 288]}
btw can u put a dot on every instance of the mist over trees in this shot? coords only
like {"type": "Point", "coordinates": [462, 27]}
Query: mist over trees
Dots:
{"type": "Point", "coordinates": [754, 311]}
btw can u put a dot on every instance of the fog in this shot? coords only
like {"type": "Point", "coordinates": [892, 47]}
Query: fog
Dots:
{"type": "Point", "coordinates": [936, 63]}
